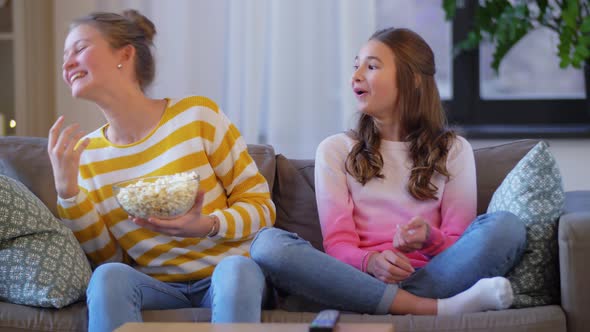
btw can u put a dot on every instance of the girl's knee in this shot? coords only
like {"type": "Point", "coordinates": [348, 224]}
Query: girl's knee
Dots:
{"type": "Point", "coordinates": [508, 224]}
{"type": "Point", "coordinates": [506, 228]}
{"type": "Point", "coordinates": [273, 247]}
{"type": "Point", "coordinates": [111, 273]}
{"type": "Point", "coordinates": [237, 274]}
{"type": "Point", "coordinates": [109, 277]}
{"type": "Point", "coordinates": [266, 243]}
{"type": "Point", "coordinates": [237, 265]}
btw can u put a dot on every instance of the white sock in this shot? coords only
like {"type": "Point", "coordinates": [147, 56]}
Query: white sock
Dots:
{"type": "Point", "coordinates": [487, 294]}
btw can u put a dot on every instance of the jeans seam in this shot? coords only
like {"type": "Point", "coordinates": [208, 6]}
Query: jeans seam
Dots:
{"type": "Point", "coordinates": [213, 302]}
{"type": "Point", "coordinates": [164, 290]}
{"type": "Point", "coordinates": [137, 294]}
{"type": "Point", "coordinates": [311, 297]}
{"type": "Point", "coordinates": [280, 285]}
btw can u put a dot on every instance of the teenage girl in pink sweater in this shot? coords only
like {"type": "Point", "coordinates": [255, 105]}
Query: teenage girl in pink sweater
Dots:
{"type": "Point", "coordinates": [397, 203]}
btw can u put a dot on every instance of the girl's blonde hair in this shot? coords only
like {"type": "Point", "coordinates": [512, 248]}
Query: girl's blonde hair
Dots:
{"type": "Point", "coordinates": [128, 28]}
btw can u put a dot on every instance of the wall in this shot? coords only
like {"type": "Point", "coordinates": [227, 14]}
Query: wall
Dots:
{"type": "Point", "coordinates": [75, 110]}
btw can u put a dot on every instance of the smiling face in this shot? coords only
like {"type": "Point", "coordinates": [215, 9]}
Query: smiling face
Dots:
{"type": "Point", "coordinates": [90, 63]}
{"type": "Point", "coordinates": [374, 80]}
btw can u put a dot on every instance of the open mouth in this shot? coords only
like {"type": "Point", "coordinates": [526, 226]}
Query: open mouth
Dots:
{"type": "Point", "coordinates": [77, 76]}
{"type": "Point", "coordinates": [360, 92]}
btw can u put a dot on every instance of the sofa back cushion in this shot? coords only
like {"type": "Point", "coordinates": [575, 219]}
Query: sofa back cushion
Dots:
{"type": "Point", "coordinates": [294, 189]}
{"type": "Point", "coordinates": [264, 157]}
{"type": "Point", "coordinates": [294, 198]}
{"type": "Point", "coordinates": [26, 160]}
{"type": "Point", "coordinates": [493, 163]}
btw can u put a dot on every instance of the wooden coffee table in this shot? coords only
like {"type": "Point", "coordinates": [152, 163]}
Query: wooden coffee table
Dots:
{"type": "Point", "coordinates": [247, 327]}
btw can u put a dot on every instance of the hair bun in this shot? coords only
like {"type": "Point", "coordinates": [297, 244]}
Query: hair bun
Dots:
{"type": "Point", "coordinates": [143, 23]}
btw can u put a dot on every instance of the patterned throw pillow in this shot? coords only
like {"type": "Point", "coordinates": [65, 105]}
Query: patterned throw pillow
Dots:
{"type": "Point", "coordinates": [533, 191]}
{"type": "Point", "coordinates": [41, 262]}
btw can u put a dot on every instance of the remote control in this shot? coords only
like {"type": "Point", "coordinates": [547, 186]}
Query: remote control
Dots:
{"type": "Point", "coordinates": [325, 321]}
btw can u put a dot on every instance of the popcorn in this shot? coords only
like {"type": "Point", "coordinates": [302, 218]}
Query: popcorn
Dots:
{"type": "Point", "coordinates": [167, 196]}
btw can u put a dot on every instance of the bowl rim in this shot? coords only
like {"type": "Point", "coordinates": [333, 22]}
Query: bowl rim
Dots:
{"type": "Point", "coordinates": [117, 186]}
{"type": "Point", "coordinates": [126, 183]}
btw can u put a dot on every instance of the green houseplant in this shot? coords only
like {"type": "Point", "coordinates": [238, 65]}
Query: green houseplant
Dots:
{"type": "Point", "coordinates": [506, 22]}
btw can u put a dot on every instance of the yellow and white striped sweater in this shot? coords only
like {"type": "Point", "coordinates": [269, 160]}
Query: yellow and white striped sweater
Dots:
{"type": "Point", "coordinates": [193, 135]}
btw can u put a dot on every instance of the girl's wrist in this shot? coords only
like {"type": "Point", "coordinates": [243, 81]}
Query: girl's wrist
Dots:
{"type": "Point", "coordinates": [368, 262]}
{"type": "Point", "coordinates": [69, 197]}
{"type": "Point", "coordinates": [214, 226]}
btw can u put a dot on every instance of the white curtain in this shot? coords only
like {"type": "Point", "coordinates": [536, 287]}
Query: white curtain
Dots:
{"type": "Point", "coordinates": [288, 69]}
{"type": "Point", "coordinates": [280, 69]}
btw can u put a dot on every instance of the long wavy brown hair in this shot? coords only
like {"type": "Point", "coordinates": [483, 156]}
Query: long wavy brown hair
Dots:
{"type": "Point", "coordinates": [422, 119]}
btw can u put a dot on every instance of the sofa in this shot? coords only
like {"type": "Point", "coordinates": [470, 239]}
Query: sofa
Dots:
{"type": "Point", "coordinates": [292, 186]}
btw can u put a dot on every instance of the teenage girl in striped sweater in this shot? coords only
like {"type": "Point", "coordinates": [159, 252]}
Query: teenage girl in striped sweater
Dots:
{"type": "Point", "coordinates": [397, 203]}
{"type": "Point", "coordinates": [154, 264]}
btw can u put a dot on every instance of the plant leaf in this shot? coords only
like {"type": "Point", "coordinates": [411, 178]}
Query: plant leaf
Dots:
{"type": "Point", "coordinates": [570, 13]}
{"type": "Point", "coordinates": [564, 63]}
{"type": "Point", "coordinates": [471, 42]}
{"type": "Point", "coordinates": [585, 27]}
{"type": "Point", "coordinates": [503, 46]}
{"type": "Point", "coordinates": [512, 25]}
{"type": "Point", "coordinates": [582, 51]}
{"type": "Point", "coordinates": [564, 46]}
{"type": "Point", "coordinates": [542, 4]}
{"type": "Point", "coordinates": [506, 22]}
{"type": "Point", "coordinates": [577, 61]}
{"type": "Point", "coordinates": [450, 7]}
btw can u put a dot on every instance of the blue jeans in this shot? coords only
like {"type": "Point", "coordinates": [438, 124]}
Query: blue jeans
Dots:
{"type": "Point", "coordinates": [490, 246]}
{"type": "Point", "coordinates": [117, 293]}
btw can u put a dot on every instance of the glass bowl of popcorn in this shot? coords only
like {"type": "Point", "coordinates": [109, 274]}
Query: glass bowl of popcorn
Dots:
{"type": "Point", "coordinates": [163, 197]}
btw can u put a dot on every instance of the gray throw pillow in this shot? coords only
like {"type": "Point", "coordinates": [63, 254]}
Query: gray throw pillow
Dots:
{"type": "Point", "coordinates": [41, 262]}
{"type": "Point", "coordinates": [533, 191]}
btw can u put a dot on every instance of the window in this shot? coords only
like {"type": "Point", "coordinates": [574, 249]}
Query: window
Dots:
{"type": "Point", "coordinates": [531, 96]}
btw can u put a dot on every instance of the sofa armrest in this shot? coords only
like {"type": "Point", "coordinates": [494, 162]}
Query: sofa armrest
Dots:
{"type": "Point", "coordinates": [574, 250]}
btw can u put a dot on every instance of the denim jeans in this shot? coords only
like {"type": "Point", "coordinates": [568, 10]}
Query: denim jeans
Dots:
{"type": "Point", "coordinates": [292, 265]}
{"type": "Point", "coordinates": [117, 293]}
{"type": "Point", "coordinates": [490, 246]}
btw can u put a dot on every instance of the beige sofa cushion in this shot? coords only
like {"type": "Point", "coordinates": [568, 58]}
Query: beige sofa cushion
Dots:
{"type": "Point", "coordinates": [26, 160]}
{"type": "Point", "coordinates": [493, 163]}
{"type": "Point", "coordinates": [294, 197]}
{"type": "Point", "coordinates": [264, 157]}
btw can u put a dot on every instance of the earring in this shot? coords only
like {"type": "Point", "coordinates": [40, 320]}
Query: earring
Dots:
{"type": "Point", "coordinates": [119, 66]}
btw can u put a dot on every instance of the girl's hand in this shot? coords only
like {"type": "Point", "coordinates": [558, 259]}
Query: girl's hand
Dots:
{"type": "Point", "coordinates": [191, 224]}
{"type": "Point", "coordinates": [412, 236]}
{"type": "Point", "coordinates": [389, 267]}
{"type": "Point", "coordinates": [65, 156]}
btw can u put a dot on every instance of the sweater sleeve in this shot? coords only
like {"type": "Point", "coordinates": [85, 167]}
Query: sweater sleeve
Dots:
{"type": "Point", "coordinates": [335, 204]}
{"type": "Point", "coordinates": [79, 214]}
{"type": "Point", "coordinates": [249, 203]}
{"type": "Point", "coordinates": [459, 199]}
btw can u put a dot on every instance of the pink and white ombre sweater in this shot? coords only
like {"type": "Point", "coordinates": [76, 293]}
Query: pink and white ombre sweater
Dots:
{"type": "Point", "coordinates": [357, 220]}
